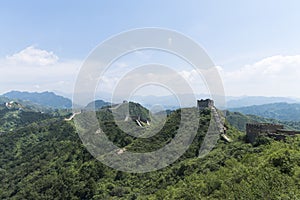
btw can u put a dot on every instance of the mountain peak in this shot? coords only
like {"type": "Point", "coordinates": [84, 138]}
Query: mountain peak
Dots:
{"type": "Point", "coordinates": [46, 98]}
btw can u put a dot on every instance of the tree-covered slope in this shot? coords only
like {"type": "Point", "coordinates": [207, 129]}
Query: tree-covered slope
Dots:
{"type": "Point", "coordinates": [48, 161]}
{"type": "Point", "coordinates": [18, 115]}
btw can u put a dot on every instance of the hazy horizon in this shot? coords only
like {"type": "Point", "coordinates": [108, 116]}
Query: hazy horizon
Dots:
{"type": "Point", "coordinates": [69, 95]}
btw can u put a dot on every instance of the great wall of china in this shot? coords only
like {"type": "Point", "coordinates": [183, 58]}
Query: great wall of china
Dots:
{"type": "Point", "coordinates": [253, 130]}
{"type": "Point", "coordinates": [218, 119]}
{"type": "Point", "coordinates": [276, 131]}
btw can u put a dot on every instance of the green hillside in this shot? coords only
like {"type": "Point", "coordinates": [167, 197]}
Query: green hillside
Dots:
{"type": "Point", "coordinates": [131, 109]}
{"type": "Point", "coordinates": [18, 115]}
{"type": "Point", "coordinates": [47, 160]}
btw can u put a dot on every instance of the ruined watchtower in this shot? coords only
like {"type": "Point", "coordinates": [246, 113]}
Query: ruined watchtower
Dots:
{"type": "Point", "coordinates": [275, 131]}
{"type": "Point", "coordinates": [258, 129]}
{"type": "Point", "coordinates": [205, 103]}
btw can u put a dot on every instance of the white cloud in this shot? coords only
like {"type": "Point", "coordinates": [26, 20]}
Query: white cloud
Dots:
{"type": "Point", "coordinates": [272, 76]}
{"type": "Point", "coordinates": [33, 56]}
{"type": "Point", "coordinates": [153, 75]}
{"type": "Point", "coordinates": [34, 69]}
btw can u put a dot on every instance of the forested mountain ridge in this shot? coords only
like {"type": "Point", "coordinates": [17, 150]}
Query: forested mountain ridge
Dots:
{"type": "Point", "coordinates": [238, 102]}
{"type": "Point", "coordinates": [47, 160]}
{"type": "Point", "coordinates": [279, 111]}
{"type": "Point", "coordinates": [46, 99]}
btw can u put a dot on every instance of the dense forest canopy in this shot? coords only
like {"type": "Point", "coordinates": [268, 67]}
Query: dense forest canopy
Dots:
{"type": "Point", "coordinates": [45, 159]}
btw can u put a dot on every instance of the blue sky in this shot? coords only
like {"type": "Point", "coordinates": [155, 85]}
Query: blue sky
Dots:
{"type": "Point", "coordinates": [236, 35]}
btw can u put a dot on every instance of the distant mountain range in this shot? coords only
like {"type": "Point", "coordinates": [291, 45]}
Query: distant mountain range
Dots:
{"type": "Point", "coordinates": [235, 102]}
{"type": "Point", "coordinates": [171, 101]}
{"type": "Point", "coordinates": [239, 121]}
{"type": "Point", "coordinates": [46, 99]}
{"type": "Point", "coordinates": [54, 101]}
{"type": "Point", "coordinates": [279, 111]}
